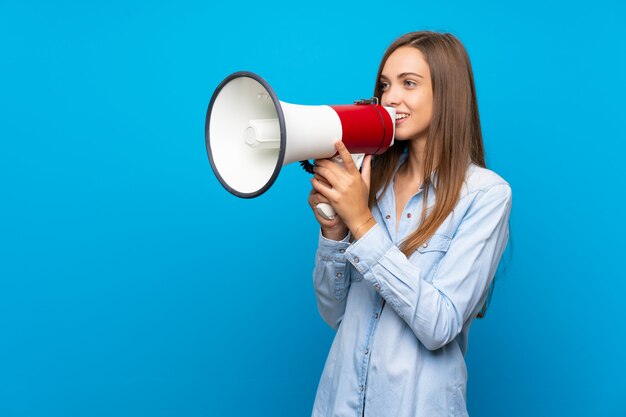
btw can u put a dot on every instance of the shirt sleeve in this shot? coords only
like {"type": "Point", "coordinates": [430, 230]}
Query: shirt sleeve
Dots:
{"type": "Point", "coordinates": [437, 311]}
{"type": "Point", "coordinates": [331, 279]}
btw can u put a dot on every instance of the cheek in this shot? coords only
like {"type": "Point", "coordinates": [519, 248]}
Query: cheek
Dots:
{"type": "Point", "coordinates": [422, 101]}
{"type": "Point", "coordinates": [424, 109]}
{"type": "Point", "coordinates": [421, 122]}
{"type": "Point", "coordinates": [427, 114]}
{"type": "Point", "coordinates": [423, 112]}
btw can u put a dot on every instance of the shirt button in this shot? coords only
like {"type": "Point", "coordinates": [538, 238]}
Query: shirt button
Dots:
{"type": "Point", "coordinates": [377, 286]}
{"type": "Point", "coordinates": [339, 275]}
{"type": "Point", "coordinates": [361, 388]}
{"type": "Point", "coordinates": [367, 351]}
{"type": "Point", "coordinates": [425, 245]}
{"type": "Point", "coordinates": [408, 215]}
{"type": "Point", "coordinates": [356, 259]}
{"type": "Point", "coordinates": [376, 316]}
{"type": "Point", "coordinates": [388, 217]}
{"type": "Point", "coordinates": [342, 250]}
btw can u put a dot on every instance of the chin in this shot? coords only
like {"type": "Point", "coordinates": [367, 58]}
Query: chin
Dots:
{"type": "Point", "coordinates": [407, 136]}
{"type": "Point", "coordinates": [403, 136]}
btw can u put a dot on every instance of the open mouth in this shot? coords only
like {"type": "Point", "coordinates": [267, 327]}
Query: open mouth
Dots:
{"type": "Point", "coordinates": [401, 116]}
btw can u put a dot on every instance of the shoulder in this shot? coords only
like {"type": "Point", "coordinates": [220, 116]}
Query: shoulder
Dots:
{"type": "Point", "coordinates": [480, 180]}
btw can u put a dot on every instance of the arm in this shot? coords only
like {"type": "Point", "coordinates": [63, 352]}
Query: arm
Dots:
{"type": "Point", "coordinates": [437, 311]}
{"type": "Point", "coordinates": [331, 279]}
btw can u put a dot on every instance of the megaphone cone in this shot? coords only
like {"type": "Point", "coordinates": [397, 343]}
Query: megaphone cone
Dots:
{"type": "Point", "coordinates": [250, 135]}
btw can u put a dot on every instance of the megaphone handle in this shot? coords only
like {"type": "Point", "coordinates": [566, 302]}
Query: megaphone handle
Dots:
{"type": "Point", "coordinates": [326, 210]}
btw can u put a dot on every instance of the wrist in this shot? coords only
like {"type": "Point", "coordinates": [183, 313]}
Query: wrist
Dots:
{"type": "Point", "coordinates": [360, 229]}
{"type": "Point", "coordinates": [334, 233]}
{"type": "Point", "coordinates": [358, 219]}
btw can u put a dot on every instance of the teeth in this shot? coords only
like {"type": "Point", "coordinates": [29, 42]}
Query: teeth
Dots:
{"type": "Point", "coordinates": [401, 116]}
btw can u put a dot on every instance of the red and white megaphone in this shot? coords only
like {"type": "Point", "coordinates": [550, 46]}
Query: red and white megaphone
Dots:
{"type": "Point", "coordinates": [250, 134]}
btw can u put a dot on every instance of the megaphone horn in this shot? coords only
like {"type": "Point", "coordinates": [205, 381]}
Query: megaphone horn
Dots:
{"type": "Point", "coordinates": [250, 135]}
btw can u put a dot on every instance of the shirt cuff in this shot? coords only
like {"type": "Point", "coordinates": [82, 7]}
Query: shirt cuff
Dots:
{"type": "Point", "coordinates": [367, 251]}
{"type": "Point", "coordinates": [332, 249]}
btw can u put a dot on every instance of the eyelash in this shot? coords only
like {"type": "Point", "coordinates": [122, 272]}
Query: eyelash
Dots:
{"type": "Point", "coordinates": [385, 85]}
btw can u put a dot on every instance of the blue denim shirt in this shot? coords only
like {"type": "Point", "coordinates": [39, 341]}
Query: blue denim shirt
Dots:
{"type": "Point", "coordinates": [402, 324]}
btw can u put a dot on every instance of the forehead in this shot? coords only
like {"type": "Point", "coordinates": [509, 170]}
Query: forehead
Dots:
{"type": "Point", "coordinates": [406, 59]}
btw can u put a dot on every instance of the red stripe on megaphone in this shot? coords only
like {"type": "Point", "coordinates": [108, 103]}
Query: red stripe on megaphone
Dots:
{"type": "Point", "coordinates": [367, 128]}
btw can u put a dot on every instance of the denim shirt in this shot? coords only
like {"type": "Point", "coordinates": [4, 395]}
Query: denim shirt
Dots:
{"type": "Point", "coordinates": [402, 324]}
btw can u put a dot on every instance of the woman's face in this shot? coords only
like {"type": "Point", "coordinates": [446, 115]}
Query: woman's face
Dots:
{"type": "Point", "coordinates": [406, 86]}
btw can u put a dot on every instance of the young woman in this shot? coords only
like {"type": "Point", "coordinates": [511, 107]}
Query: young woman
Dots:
{"type": "Point", "coordinates": [407, 264]}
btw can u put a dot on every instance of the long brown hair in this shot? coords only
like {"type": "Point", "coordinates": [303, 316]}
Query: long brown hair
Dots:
{"type": "Point", "coordinates": [454, 136]}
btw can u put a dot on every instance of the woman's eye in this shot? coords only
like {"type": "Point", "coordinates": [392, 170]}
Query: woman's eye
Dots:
{"type": "Point", "coordinates": [383, 86]}
{"type": "Point", "coordinates": [410, 83]}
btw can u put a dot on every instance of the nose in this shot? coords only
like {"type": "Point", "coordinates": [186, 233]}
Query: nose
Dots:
{"type": "Point", "coordinates": [391, 97]}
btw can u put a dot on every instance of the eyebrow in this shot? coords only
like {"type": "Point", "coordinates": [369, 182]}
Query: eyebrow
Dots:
{"type": "Point", "coordinates": [404, 74]}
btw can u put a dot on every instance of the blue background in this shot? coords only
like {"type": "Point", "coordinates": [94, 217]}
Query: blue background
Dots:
{"type": "Point", "coordinates": [132, 284]}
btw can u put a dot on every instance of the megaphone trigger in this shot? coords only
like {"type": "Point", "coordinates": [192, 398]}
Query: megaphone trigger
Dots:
{"type": "Point", "coordinates": [326, 211]}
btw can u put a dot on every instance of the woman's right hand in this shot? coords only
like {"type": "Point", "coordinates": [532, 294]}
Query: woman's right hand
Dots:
{"type": "Point", "coordinates": [334, 229]}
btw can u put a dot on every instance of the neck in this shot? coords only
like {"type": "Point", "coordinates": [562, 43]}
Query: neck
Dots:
{"type": "Point", "coordinates": [415, 162]}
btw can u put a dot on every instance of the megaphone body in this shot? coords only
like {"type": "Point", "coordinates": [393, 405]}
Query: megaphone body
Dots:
{"type": "Point", "coordinates": [250, 135]}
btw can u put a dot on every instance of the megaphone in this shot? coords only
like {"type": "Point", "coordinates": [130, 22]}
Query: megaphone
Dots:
{"type": "Point", "coordinates": [250, 135]}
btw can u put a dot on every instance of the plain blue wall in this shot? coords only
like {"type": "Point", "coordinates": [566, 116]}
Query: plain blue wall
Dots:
{"type": "Point", "coordinates": [132, 284]}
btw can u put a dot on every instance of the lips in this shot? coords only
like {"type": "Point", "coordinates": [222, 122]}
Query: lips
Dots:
{"type": "Point", "coordinates": [401, 117]}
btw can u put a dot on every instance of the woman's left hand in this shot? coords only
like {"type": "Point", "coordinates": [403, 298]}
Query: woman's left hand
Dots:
{"type": "Point", "coordinates": [348, 192]}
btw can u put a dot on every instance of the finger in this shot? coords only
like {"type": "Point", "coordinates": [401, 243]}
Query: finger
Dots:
{"type": "Point", "coordinates": [345, 155]}
{"type": "Point", "coordinates": [366, 170]}
{"type": "Point", "coordinates": [322, 179]}
{"type": "Point", "coordinates": [325, 174]}
{"type": "Point", "coordinates": [313, 195]}
{"type": "Point", "coordinates": [327, 163]}
{"type": "Point", "coordinates": [316, 199]}
{"type": "Point", "coordinates": [321, 199]}
{"type": "Point", "coordinates": [324, 190]}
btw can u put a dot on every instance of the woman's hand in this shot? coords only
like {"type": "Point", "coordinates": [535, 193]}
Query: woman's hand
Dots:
{"type": "Point", "coordinates": [334, 229]}
{"type": "Point", "coordinates": [346, 189]}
